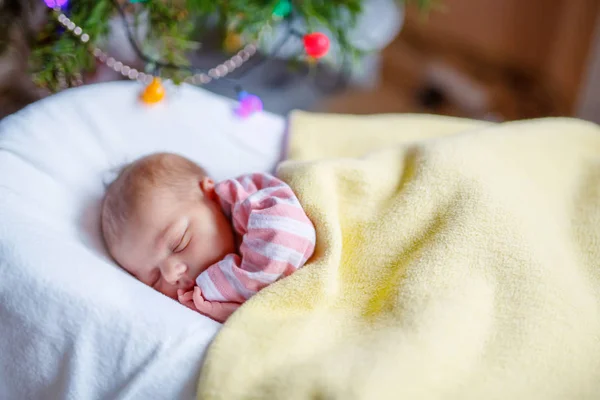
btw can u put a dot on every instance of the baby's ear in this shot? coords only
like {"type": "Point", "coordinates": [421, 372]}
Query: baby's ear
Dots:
{"type": "Point", "coordinates": [207, 186]}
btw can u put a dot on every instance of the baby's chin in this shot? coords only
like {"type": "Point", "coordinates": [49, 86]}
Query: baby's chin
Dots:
{"type": "Point", "coordinates": [169, 292]}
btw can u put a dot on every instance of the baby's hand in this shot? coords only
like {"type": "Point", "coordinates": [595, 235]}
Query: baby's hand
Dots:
{"type": "Point", "coordinates": [186, 298]}
{"type": "Point", "coordinates": [213, 309]}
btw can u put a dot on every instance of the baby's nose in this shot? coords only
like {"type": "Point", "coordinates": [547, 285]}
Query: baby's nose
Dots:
{"type": "Point", "coordinates": [174, 272]}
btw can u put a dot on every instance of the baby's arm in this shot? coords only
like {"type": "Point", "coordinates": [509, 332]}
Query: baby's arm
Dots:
{"type": "Point", "coordinates": [278, 238]}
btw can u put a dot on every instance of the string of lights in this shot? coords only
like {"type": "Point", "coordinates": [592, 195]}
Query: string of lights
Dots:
{"type": "Point", "coordinates": [316, 45]}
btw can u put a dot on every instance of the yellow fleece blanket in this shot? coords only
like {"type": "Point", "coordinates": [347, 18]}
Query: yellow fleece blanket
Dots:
{"type": "Point", "coordinates": [465, 265]}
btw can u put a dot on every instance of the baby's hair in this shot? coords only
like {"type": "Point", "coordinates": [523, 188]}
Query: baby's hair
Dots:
{"type": "Point", "coordinates": [161, 170]}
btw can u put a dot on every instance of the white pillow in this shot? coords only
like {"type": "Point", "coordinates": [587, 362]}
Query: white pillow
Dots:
{"type": "Point", "coordinates": [72, 324]}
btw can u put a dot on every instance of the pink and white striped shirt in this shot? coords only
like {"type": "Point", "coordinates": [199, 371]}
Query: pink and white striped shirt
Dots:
{"type": "Point", "coordinates": [277, 238]}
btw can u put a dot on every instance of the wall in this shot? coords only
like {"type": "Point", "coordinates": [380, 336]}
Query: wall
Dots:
{"type": "Point", "coordinates": [551, 37]}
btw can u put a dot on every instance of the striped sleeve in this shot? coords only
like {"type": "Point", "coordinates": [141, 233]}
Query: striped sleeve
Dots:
{"type": "Point", "coordinates": [278, 238]}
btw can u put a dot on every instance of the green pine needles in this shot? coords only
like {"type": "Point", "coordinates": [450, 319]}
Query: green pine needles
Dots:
{"type": "Point", "coordinates": [59, 57]}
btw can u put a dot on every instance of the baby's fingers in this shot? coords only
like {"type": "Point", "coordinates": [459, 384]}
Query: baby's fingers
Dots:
{"type": "Point", "coordinates": [184, 297]}
{"type": "Point", "coordinates": [199, 300]}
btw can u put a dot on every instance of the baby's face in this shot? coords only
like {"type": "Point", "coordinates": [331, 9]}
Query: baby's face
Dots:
{"type": "Point", "coordinates": [169, 241]}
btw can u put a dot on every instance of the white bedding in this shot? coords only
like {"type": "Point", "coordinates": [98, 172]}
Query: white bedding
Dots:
{"type": "Point", "coordinates": [72, 325]}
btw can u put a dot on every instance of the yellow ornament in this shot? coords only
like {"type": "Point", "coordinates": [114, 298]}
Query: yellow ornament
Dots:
{"type": "Point", "coordinates": [233, 42]}
{"type": "Point", "coordinates": [154, 92]}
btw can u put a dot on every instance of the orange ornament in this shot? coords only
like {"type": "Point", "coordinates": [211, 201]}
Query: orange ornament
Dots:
{"type": "Point", "coordinates": [154, 92]}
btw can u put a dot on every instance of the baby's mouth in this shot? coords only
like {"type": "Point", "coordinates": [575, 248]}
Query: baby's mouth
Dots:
{"type": "Point", "coordinates": [187, 285]}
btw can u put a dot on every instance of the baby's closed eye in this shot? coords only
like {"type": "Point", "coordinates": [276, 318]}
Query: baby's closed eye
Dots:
{"type": "Point", "coordinates": [183, 242]}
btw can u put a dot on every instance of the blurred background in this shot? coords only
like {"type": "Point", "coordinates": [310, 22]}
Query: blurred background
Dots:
{"type": "Point", "coordinates": [493, 59]}
{"type": "Point", "coordinates": [487, 59]}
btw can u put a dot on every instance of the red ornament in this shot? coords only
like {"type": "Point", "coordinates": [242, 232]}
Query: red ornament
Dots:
{"type": "Point", "coordinates": [316, 44]}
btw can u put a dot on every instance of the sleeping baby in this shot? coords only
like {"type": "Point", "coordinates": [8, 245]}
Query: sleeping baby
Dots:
{"type": "Point", "coordinates": [211, 246]}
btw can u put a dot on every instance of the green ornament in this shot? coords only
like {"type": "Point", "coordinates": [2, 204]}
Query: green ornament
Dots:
{"type": "Point", "coordinates": [282, 9]}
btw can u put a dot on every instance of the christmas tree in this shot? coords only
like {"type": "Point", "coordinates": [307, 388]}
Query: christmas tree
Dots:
{"type": "Point", "coordinates": [73, 39]}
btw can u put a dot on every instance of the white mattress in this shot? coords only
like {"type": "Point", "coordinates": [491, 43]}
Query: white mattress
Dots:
{"type": "Point", "coordinates": [73, 325]}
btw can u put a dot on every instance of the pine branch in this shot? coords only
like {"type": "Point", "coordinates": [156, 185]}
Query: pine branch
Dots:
{"type": "Point", "coordinates": [59, 57]}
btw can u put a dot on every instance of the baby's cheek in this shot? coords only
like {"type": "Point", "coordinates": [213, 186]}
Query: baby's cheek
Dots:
{"type": "Point", "coordinates": [201, 256]}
